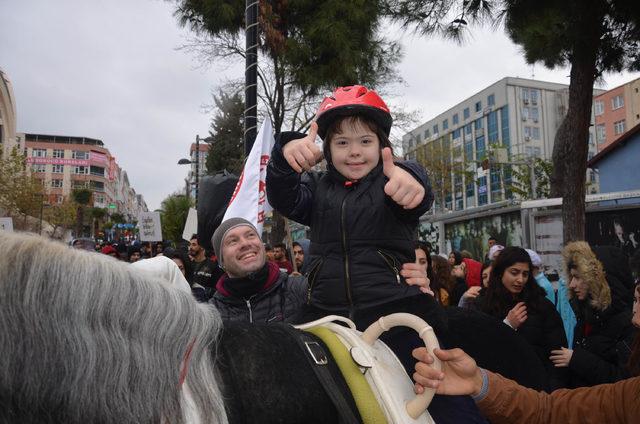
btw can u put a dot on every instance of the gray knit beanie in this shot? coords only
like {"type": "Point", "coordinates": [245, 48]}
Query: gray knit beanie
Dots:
{"type": "Point", "coordinates": [221, 233]}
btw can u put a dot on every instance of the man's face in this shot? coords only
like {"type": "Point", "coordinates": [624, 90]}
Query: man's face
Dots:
{"type": "Point", "coordinates": [278, 253]}
{"type": "Point", "coordinates": [270, 255]}
{"type": "Point", "coordinates": [298, 256]}
{"type": "Point", "coordinates": [194, 248]}
{"type": "Point", "coordinates": [135, 256]}
{"type": "Point", "coordinates": [492, 243]}
{"type": "Point", "coordinates": [242, 252]}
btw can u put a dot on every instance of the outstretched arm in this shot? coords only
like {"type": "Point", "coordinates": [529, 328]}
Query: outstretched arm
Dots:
{"type": "Point", "coordinates": [504, 401]}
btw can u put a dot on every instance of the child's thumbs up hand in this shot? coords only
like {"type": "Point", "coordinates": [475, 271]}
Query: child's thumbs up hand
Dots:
{"type": "Point", "coordinates": [302, 154]}
{"type": "Point", "coordinates": [402, 187]}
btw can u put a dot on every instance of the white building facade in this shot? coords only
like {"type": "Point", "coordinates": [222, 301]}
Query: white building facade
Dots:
{"type": "Point", "coordinates": [520, 115]}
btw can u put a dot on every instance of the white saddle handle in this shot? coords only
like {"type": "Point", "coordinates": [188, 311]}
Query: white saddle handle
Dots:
{"type": "Point", "coordinates": [416, 406]}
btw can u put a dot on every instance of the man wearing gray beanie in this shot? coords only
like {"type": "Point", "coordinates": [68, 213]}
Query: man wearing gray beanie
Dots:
{"type": "Point", "coordinates": [252, 288]}
{"type": "Point", "coordinates": [256, 290]}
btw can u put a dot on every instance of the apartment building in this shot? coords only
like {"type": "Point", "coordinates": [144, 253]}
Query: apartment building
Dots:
{"type": "Point", "coordinates": [197, 155]}
{"type": "Point", "coordinates": [520, 115]}
{"type": "Point", "coordinates": [65, 163]}
{"type": "Point", "coordinates": [7, 115]}
{"type": "Point", "coordinates": [616, 112]}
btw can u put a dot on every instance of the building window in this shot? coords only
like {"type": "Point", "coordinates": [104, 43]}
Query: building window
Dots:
{"type": "Point", "coordinates": [492, 127]}
{"type": "Point", "coordinates": [58, 169]}
{"type": "Point", "coordinates": [97, 185]}
{"type": "Point", "coordinates": [80, 184]}
{"type": "Point", "coordinates": [535, 133]}
{"type": "Point", "coordinates": [427, 134]}
{"type": "Point", "coordinates": [598, 107]}
{"type": "Point", "coordinates": [525, 113]}
{"type": "Point", "coordinates": [417, 141]}
{"type": "Point", "coordinates": [528, 151]}
{"type": "Point", "coordinates": [99, 171]}
{"type": "Point", "coordinates": [456, 133]}
{"type": "Point", "coordinates": [601, 133]}
{"type": "Point", "coordinates": [468, 151]}
{"type": "Point", "coordinates": [534, 114]}
{"type": "Point", "coordinates": [455, 119]}
{"type": "Point", "coordinates": [59, 199]}
{"type": "Point", "coordinates": [38, 168]}
{"type": "Point", "coordinates": [491, 100]}
{"type": "Point", "coordinates": [480, 147]}
{"type": "Point", "coordinates": [537, 152]}
{"type": "Point", "coordinates": [445, 125]}
{"type": "Point", "coordinates": [58, 153]}
{"type": "Point", "coordinates": [619, 127]}
{"type": "Point", "coordinates": [465, 113]}
{"type": "Point", "coordinates": [533, 95]}
{"type": "Point", "coordinates": [98, 198]}
{"type": "Point", "coordinates": [527, 133]}
{"type": "Point", "coordinates": [525, 96]}
{"type": "Point", "coordinates": [81, 170]}
{"type": "Point", "coordinates": [39, 153]}
{"type": "Point", "coordinates": [478, 125]}
{"type": "Point", "coordinates": [56, 183]}
{"type": "Point", "coordinates": [435, 129]}
{"type": "Point", "coordinates": [504, 120]}
{"type": "Point", "coordinates": [478, 106]}
{"type": "Point", "coordinates": [77, 154]}
{"type": "Point", "coordinates": [617, 102]}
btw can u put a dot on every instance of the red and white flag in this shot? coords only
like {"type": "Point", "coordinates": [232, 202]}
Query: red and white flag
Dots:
{"type": "Point", "coordinates": [249, 199]}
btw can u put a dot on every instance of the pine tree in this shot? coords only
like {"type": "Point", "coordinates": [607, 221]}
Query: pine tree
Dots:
{"type": "Point", "coordinates": [227, 130]}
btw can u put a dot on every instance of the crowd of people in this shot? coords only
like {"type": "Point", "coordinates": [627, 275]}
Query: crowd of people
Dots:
{"type": "Point", "coordinates": [362, 261]}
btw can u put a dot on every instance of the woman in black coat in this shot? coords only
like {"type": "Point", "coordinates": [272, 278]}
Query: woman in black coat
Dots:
{"type": "Point", "coordinates": [601, 291]}
{"type": "Point", "coordinates": [514, 298]}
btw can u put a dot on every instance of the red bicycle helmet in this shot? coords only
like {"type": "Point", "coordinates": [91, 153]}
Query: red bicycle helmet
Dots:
{"type": "Point", "coordinates": [350, 100]}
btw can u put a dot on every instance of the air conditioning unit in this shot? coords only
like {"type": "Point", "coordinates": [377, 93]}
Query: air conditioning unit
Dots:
{"type": "Point", "coordinates": [527, 138]}
{"type": "Point", "coordinates": [525, 101]}
{"type": "Point", "coordinates": [535, 120]}
{"type": "Point", "coordinates": [524, 118]}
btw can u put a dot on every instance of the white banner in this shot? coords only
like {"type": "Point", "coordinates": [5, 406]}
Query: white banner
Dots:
{"type": "Point", "coordinates": [191, 226]}
{"type": "Point", "coordinates": [6, 224]}
{"type": "Point", "coordinates": [249, 200]}
{"type": "Point", "coordinates": [149, 225]}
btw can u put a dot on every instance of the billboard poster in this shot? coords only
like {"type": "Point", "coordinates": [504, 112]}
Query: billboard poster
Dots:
{"type": "Point", "coordinates": [472, 235]}
{"type": "Point", "coordinates": [620, 228]}
{"type": "Point", "coordinates": [548, 242]}
{"type": "Point", "coordinates": [429, 232]}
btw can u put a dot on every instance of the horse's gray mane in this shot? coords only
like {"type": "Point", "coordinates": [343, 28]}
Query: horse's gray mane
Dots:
{"type": "Point", "coordinates": [86, 339]}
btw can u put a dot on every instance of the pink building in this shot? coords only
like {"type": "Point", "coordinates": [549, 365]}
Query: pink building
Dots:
{"type": "Point", "coordinates": [616, 111]}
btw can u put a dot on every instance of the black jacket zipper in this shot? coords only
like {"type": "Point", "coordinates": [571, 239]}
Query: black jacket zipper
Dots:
{"type": "Point", "coordinates": [311, 278]}
{"type": "Point", "coordinates": [347, 279]}
{"type": "Point", "coordinates": [391, 264]}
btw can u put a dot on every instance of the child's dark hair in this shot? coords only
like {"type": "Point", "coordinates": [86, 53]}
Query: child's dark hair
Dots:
{"type": "Point", "coordinates": [357, 118]}
{"type": "Point", "coordinates": [497, 300]}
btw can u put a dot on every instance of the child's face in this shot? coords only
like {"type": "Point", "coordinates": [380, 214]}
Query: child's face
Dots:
{"type": "Point", "coordinates": [355, 151]}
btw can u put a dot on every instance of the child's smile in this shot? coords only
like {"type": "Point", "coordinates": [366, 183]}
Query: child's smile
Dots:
{"type": "Point", "coordinates": [355, 151]}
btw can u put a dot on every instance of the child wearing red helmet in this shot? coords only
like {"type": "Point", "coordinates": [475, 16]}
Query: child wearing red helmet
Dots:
{"type": "Point", "coordinates": [363, 211]}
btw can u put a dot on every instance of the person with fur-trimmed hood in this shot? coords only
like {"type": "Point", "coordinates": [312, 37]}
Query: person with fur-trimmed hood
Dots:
{"type": "Point", "coordinates": [601, 299]}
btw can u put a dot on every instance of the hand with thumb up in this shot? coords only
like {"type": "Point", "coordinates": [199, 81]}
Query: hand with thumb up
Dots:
{"type": "Point", "coordinates": [402, 187]}
{"type": "Point", "coordinates": [302, 154]}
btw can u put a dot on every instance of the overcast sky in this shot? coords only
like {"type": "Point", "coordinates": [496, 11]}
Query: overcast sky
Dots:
{"type": "Point", "coordinates": [109, 69]}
